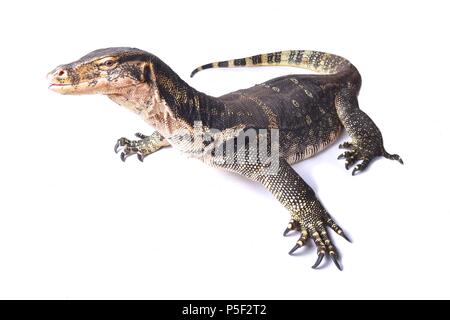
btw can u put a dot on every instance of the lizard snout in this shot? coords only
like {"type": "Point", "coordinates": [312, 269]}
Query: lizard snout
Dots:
{"type": "Point", "coordinates": [59, 80]}
{"type": "Point", "coordinates": [58, 75]}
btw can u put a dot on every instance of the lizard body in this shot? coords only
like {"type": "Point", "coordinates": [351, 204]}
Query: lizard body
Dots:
{"type": "Point", "coordinates": [256, 132]}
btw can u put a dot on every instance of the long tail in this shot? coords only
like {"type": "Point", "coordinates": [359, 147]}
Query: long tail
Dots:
{"type": "Point", "coordinates": [321, 62]}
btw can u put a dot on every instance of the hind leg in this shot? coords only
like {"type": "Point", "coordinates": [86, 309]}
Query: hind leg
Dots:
{"type": "Point", "coordinates": [367, 141]}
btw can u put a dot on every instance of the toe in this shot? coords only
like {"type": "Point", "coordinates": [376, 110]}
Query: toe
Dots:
{"type": "Point", "coordinates": [321, 248]}
{"type": "Point", "coordinates": [141, 156]}
{"type": "Point", "coordinates": [286, 232]}
{"type": "Point", "coordinates": [141, 135]}
{"type": "Point", "coordinates": [361, 167]}
{"type": "Point", "coordinates": [345, 155]}
{"type": "Point", "coordinates": [122, 142]}
{"type": "Point", "coordinates": [334, 257]}
{"type": "Point", "coordinates": [350, 162]}
{"type": "Point", "coordinates": [345, 145]}
{"type": "Point", "coordinates": [297, 246]}
{"type": "Point", "coordinates": [300, 242]}
{"type": "Point", "coordinates": [331, 249]}
{"type": "Point", "coordinates": [292, 225]}
{"type": "Point", "coordinates": [335, 227]}
{"type": "Point", "coordinates": [318, 261]}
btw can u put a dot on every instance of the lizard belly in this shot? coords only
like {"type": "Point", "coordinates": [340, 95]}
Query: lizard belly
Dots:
{"type": "Point", "coordinates": [295, 148]}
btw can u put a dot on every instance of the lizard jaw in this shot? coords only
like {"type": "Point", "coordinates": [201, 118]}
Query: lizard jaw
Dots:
{"type": "Point", "coordinates": [67, 88]}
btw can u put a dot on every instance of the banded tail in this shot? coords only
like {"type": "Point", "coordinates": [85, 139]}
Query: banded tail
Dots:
{"type": "Point", "coordinates": [321, 62]}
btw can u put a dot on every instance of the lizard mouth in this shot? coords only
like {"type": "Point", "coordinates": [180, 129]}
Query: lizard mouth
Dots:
{"type": "Point", "coordinates": [59, 85]}
{"type": "Point", "coordinates": [68, 87]}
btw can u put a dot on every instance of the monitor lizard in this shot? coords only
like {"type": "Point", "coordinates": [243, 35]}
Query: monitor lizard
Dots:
{"type": "Point", "coordinates": [304, 113]}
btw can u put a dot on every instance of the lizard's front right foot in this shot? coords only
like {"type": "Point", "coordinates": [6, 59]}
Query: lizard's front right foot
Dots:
{"type": "Point", "coordinates": [128, 147]}
{"type": "Point", "coordinates": [312, 224]}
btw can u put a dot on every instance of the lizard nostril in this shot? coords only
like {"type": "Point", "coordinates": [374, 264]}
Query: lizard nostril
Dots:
{"type": "Point", "coordinates": [61, 73]}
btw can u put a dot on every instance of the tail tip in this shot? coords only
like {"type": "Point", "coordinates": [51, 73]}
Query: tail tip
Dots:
{"type": "Point", "coordinates": [393, 157]}
{"type": "Point", "coordinates": [193, 73]}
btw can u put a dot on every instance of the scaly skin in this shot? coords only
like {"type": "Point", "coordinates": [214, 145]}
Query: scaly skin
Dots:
{"type": "Point", "coordinates": [307, 113]}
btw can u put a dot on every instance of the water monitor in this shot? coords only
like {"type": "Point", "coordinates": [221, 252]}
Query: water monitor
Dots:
{"type": "Point", "coordinates": [257, 132]}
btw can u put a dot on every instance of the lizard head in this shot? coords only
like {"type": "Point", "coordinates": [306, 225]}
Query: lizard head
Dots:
{"type": "Point", "coordinates": [104, 71]}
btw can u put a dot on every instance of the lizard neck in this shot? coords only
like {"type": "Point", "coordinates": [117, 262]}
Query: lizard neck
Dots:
{"type": "Point", "coordinates": [167, 102]}
{"type": "Point", "coordinates": [186, 103]}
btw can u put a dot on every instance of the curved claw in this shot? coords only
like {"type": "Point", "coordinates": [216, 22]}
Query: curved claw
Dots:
{"type": "Point", "coordinates": [123, 156]}
{"type": "Point", "coordinates": [333, 225]}
{"type": "Point", "coordinates": [336, 262]}
{"type": "Point", "coordinates": [318, 261]}
{"type": "Point", "coordinates": [349, 163]}
{"type": "Point", "coordinates": [361, 167]}
{"type": "Point", "coordinates": [286, 232]}
{"type": "Point", "coordinates": [292, 226]}
{"type": "Point", "coordinates": [140, 135]}
{"type": "Point", "coordinates": [349, 156]}
{"type": "Point", "coordinates": [294, 249]}
{"type": "Point", "coordinates": [343, 235]}
{"type": "Point", "coordinates": [120, 143]}
{"type": "Point", "coordinates": [140, 157]}
{"type": "Point", "coordinates": [117, 146]}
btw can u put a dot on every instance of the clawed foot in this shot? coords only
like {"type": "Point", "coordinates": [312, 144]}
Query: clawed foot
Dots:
{"type": "Point", "coordinates": [363, 155]}
{"type": "Point", "coordinates": [317, 231]}
{"type": "Point", "coordinates": [129, 147]}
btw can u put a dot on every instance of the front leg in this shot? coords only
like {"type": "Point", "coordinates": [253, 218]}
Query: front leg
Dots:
{"type": "Point", "coordinates": [367, 141]}
{"type": "Point", "coordinates": [308, 216]}
{"type": "Point", "coordinates": [142, 147]}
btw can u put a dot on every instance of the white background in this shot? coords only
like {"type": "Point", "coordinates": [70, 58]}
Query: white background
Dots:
{"type": "Point", "coordinates": [76, 222]}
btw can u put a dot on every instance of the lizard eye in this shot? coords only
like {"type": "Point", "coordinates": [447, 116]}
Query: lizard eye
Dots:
{"type": "Point", "coordinates": [107, 64]}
